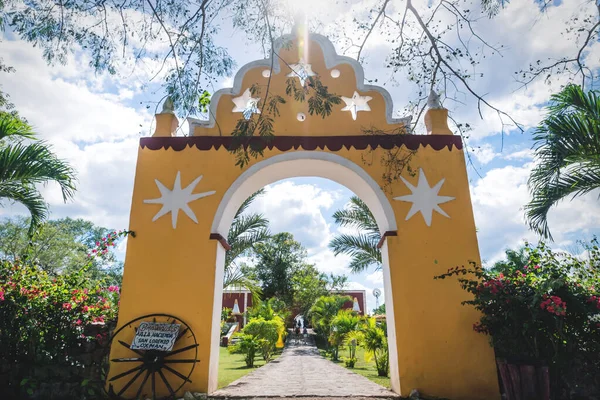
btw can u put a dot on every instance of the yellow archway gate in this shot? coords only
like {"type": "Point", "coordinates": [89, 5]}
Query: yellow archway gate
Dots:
{"type": "Point", "coordinates": [187, 190]}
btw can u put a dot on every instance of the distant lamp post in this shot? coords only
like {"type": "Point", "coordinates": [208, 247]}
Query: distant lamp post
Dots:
{"type": "Point", "coordinates": [355, 306]}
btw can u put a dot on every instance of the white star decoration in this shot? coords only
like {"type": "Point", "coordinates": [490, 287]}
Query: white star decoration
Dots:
{"type": "Point", "coordinates": [246, 104]}
{"type": "Point", "coordinates": [301, 70]}
{"type": "Point", "coordinates": [356, 103]}
{"type": "Point", "coordinates": [177, 199]}
{"type": "Point", "coordinates": [425, 199]}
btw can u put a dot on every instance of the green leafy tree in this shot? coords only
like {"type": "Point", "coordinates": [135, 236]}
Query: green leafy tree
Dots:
{"type": "Point", "coordinates": [277, 260]}
{"type": "Point", "coordinates": [26, 162]}
{"type": "Point", "coordinates": [514, 260]}
{"type": "Point", "coordinates": [362, 247]}
{"type": "Point", "coordinates": [246, 231]}
{"type": "Point", "coordinates": [59, 246]}
{"type": "Point", "coordinates": [308, 284]}
{"type": "Point", "coordinates": [567, 153]}
{"type": "Point", "coordinates": [379, 310]}
{"type": "Point", "coordinates": [324, 311]}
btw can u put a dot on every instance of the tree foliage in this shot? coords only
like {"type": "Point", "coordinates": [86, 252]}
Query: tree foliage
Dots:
{"type": "Point", "coordinates": [362, 246]}
{"type": "Point", "coordinates": [324, 310]}
{"type": "Point", "coordinates": [25, 163]}
{"type": "Point", "coordinates": [308, 284]}
{"type": "Point", "coordinates": [59, 247]}
{"type": "Point", "coordinates": [282, 269]}
{"type": "Point", "coordinates": [245, 232]}
{"type": "Point", "coordinates": [567, 151]}
{"type": "Point", "coordinates": [545, 310]}
{"type": "Point", "coordinates": [277, 260]}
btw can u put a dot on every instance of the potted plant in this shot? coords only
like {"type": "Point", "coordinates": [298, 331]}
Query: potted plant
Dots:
{"type": "Point", "coordinates": [542, 319]}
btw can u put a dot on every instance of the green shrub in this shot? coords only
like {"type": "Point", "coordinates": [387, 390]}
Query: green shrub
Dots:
{"type": "Point", "coordinates": [267, 331]}
{"type": "Point", "coordinates": [248, 345]}
{"type": "Point", "coordinates": [350, 362]}
{"type": "Point", "coordinates": [50, 324]}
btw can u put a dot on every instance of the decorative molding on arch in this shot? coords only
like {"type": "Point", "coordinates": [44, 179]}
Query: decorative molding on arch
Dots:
{"type": "Point", "coordinates": [385, 235]}
{"type": "Point", "coordinates": [332, 59]}
{"type": "Point", "coordinates": [218, 237]}
{"type": "Point", "coordinates": [285, 143]}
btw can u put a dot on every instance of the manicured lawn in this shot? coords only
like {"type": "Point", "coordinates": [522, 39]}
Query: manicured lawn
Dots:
{"type": "Point", "coordinates": [366, 369]}
{"type": "Point", "coordinates": [233, 367]}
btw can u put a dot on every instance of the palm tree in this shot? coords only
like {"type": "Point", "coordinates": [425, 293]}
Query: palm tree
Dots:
{"type": "Point", "coordinates": [245, 232]}
{"type": "Point", "coordinates": [362, 247]}
{"type": "Point", "coordinates": [567, 152]}
{"type": "Point", "coordinates": [24, 164]}
{"type": "Point", "coordinates": [514, 260]}
{"type": "Point", "coordinates": [375, 342]}
{"type": "Point", "coordinates": [342, 325]}
{"type": "Point", "coordinates": [324, 311]}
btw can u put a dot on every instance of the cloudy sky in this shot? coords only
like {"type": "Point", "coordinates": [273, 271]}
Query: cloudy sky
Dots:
{"type": "Point", "coordinates": [95, 122]}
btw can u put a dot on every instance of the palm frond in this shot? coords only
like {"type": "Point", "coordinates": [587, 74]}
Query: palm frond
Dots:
{"type": "Point", "coordinates": [245, 232]}
{"type": "Point", "coordinates": [30, 197]}
{"type": "Point", "coordinates": [249, 201]}
{"type": "Point", "coordinates": [12, 126]}
{"type": "Point", "coordinates": [356, 214]}
{"type": "Point", "coordinates": [573, 182]}
{"type": "Point", "coordinates": [35, 163]}
{"type": "Point", "coordinates": [362, 248]}
{"type": "Point", "coordinates": [567, 151]}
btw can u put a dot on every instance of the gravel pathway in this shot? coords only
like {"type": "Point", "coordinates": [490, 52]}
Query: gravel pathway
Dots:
{"type": "Point", "coordinates": [302, 372]}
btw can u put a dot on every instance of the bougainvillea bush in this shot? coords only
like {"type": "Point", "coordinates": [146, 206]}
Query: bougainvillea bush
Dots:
{"type": "Point", "coordinates": [547, 311]}
{"type": "Point", "coordinates": [54, 321]}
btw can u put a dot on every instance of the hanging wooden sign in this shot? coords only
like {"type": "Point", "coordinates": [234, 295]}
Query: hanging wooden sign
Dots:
{"type": "Point", "coordinates": [155, 336]}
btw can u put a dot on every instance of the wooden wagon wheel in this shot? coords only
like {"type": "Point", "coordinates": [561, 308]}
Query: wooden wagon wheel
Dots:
{"type": "Point", "coordinates": [153, 365]}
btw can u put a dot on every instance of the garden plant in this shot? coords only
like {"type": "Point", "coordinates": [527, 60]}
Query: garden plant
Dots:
{"type": "Point", "coordinates": [544, 313]}
{"type": "Point", "coordinates": [54, 328]}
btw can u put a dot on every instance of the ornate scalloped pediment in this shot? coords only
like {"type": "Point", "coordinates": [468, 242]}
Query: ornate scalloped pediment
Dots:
{"type": "Point", "coordinates": [361, 107]}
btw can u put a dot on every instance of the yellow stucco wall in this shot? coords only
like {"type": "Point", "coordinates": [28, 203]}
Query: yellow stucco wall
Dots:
{"type": "Point", "coordinates": [173, 270]}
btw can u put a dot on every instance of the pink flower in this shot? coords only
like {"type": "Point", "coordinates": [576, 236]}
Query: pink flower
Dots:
{"type": "Point", "coordinates": [85, 308]}
{"type": "Point", "coordinates": [78, 322]}
{"type": "Point", "coordinates": [114, 289]}
{"type": "Point", "coordinates": [67, 306]}
{"type": "Point", "coordinates": [1, 295]}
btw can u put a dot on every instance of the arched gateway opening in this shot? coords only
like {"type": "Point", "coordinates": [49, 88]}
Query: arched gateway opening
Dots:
{"type": "Point", "coordinates": [294, 165]}
{"type": "Point", "coordinates": [188, 189]}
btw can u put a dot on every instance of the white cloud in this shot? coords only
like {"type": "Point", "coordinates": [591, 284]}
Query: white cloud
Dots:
{"type": "Point", "coordinates": [485, 153]}
{"type": "Point", "coordinates": [376, 278]}
{"type": "Point", "coordinates": [298, 209]}
{"type": "Point", "coordinates": [525, 154]}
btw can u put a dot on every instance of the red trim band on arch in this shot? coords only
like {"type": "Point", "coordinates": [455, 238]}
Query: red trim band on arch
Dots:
{"type": "Point", "coordinates": [285, 143]}
{"type": "Point", "coordinates": [221, 239]}
{"type": "Point", "coordinates": [386, 234]}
